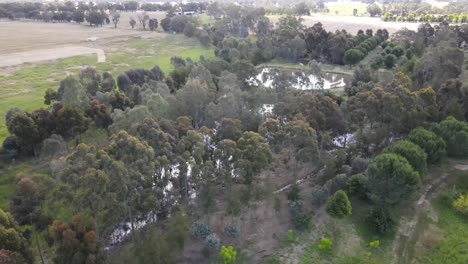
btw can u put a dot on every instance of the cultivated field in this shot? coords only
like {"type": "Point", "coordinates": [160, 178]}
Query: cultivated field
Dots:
{"type": "Point", "coordinates": [57, 50]}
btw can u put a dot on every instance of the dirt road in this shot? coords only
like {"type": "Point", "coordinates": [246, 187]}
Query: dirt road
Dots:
{"type": "Point", "coordinates": [17, 58]}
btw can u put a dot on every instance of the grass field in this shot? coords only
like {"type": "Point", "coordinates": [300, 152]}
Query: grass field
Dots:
{"type": "Point", "coordinates": [24, 86]}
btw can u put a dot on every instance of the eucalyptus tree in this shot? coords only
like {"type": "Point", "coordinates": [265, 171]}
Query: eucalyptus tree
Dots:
{"type": "Point", "coordinates": [255, 155]}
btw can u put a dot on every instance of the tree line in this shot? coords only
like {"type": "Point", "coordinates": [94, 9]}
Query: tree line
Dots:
{"type": "Point", "coordinates": [94, 13]}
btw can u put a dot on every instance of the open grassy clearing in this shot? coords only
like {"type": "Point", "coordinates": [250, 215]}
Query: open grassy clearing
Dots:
{"type": "Point", "coordinates": [24, 86]}
{"type": "Point", "coordinates": [453, 247]}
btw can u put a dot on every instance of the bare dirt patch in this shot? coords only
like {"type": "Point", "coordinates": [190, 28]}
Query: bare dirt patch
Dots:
{"type": "Point", "coordinates": [40, 55]}
{"type": "Point", "coordinates": [16, 36]}
{"type": "Point", "coordinates": [353, 24]}
{"type": "Point", "coordinates": [461, 167]}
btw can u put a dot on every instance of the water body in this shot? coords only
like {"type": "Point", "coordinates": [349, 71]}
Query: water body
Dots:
{"type": "Point", "coordinates": [301, 80]}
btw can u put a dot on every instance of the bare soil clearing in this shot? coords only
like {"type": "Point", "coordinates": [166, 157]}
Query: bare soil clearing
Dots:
{"type": "Point", "coordinates": [39, 55]}
{"type": "Point", "coordinates": [18, 36]}
{"type": "Point", "coordinates": [353, 24]}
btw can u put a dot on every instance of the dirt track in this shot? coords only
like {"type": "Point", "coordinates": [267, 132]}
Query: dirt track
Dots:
{"type": "Point", "coordinates": [17, 58]}
{"type": "Point", "coordinates": [406, 234]}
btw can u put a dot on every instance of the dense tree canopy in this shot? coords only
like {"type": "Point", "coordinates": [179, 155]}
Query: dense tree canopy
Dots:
{"type": "Point", "coordinates": [205, 142]}
{"type": "Point", "coordinates": [391, 179]}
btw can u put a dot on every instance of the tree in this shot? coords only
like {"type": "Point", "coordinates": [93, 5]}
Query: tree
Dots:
{"type": "Point", "coordinates": [131, 6]}
{"type": "Point", "coordinates": [461, 204]}
{"type": "Point", "coordinates": [119, 100]}
{"type": "Point", "coordinates": [391, 179]}
{"type": "Point", "coordinates": [455, 135]}
{"type": "Point", "coordinates": [77, 242]}
{"type": "Point", "coordinates": [271, 131]}
{"type": "Point", "coordinates": [153, 24]}
{"type": "Point", "coordinates": [199, 230]}
{"type": "Point", "coordinates": [132, 22]}
{"type": "Point", "coordinates": [301, 219]}
{"type": "Point", "coordinates": [302, 9]}
{"type": "Point", "coordinates": [166, 23]}
{"type": "Point", "coordinates": [143, 18]}
{"type": "Point", "coordinates": [90, 80]}
{"type": "Point", "coordinates": [71, 93]}
{"type": "Point", "coordinates": [116, 18]}
{"type": "Point", "coordinates": [71, 121]}
{"type": "Point", "coordinates": [50, 96]}
{"type": "Point", "coordinates": [255, 154]}
{"type": "Point", "coordinates": [390, 61]}
{"type": "Point", "coordinates": [452, 99]}
{"type": "Point", "coordinates": [26, 130]}
{"type": "Point", "coordinates": [432, 145]}
{"type": "Point", "coordinates": [338, 205]}
{"type": "Point", "coordinates": [25, 201]}
{"type": "Point", "coordinates": [107, 83]}
{"type": "Point", "coordinates": [95, 183]}
{"type": "Point", "coordinates": [144, 184]}
{"type": "Point", "coordinates": [189, 29]}
{"type": "Point", "coordinates": [13, 245]}
{"type": "Point", "coordinates": [78, 16]}
{"type": "Point", "coordinates": [380, 220]}
{"type": "Point", "coordinates": [95, 18]}
{"type": "Point", "coordinates": [178, 23]}
{"type": "Point", "coordinates": [325, 245]}
{"type": "Point", "coordinates": [99, 114]}
{"type": "Point", "coordinates": [374, 10]}
{"type": "Point", "coordinates": [53, 147]}
{"type": "Point", "coordinates": [229, 129]}
{"type": "Point", "coordinates": [162, 142]}
{"type": "Point", "coordinates": [125, 84]}
{"type": "Point", "coordinates": [228, 255]}
{"type": "Point", "coordinates": [178, 229]}
{"type": "Point", "coordinates": [303, 138]}
{"type": "Point", "coordinates": [412, 152]}
{"type": "Point", "coordinates": [212, 241]}
{"type": "Point", "coordinates": [193, 99]}
{"type": "Point", "coordinates": [10, 114]}
{"type": "Point", "coordinates": [153, 247]}
{"type": "Point", "coordinates": [353, 56]}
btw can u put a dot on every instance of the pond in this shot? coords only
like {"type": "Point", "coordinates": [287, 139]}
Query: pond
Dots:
{"type": "Point", "coordinates": [302, 80]}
